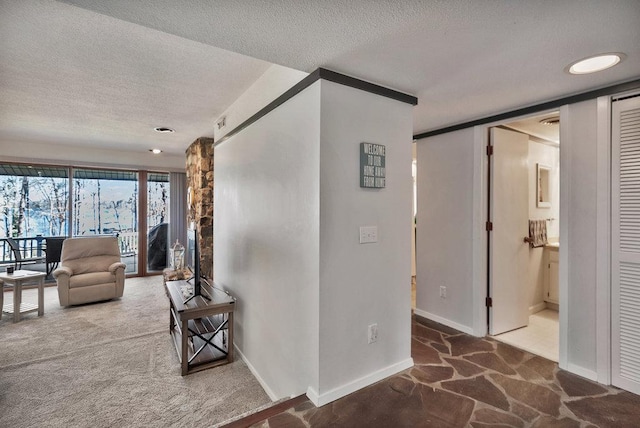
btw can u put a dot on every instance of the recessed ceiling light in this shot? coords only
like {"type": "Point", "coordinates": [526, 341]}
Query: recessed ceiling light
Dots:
{"type": "Point", "coordinates": [155, 151]}
{"type": "Point", "coordinates": [163, 129]}
{"type": "Point", "coordinates": [595, 63]}
{"type": "Point", "coordinates": [552, 120]}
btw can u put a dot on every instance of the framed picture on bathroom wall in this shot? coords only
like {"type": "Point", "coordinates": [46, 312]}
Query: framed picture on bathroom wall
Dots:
{"type": "Point", "coordinates": [543, 193]}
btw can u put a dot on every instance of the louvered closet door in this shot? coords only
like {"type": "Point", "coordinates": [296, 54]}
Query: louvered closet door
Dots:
{"type": "Point", "coordinates": [625, 246]}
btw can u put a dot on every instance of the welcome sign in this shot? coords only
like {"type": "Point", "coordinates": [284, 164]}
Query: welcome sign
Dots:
{"type": "Point", "coordinates": [372, 165]}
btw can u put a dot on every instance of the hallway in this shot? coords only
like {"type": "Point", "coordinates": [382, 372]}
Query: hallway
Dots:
{"type": "Point", "coordinates": [462, 381]}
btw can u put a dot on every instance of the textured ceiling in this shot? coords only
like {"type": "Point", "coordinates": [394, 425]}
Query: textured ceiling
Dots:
{"type": "Point", "coordinates": [72, 76]}
{"type": "Point", "coordinates": [160, 62]}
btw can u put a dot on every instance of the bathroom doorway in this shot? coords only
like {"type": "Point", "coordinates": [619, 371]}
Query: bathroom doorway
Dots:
{"type": "Point", "coordinates": [524, 230]}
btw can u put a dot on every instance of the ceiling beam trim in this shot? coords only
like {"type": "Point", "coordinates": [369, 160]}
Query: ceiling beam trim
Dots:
{"type": "Point", "coordinates": [321, 74]}
{"type": "Point", "coordinates": [609, 90]}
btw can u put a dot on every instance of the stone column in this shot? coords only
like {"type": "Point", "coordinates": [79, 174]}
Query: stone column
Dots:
{"type": "Point", "coordinates": [200, 182]}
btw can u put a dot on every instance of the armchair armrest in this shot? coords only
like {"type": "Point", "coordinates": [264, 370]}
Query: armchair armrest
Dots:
{"type": "Point", "coordinates": [62, 270]}
{"type": "Point", "coordinates": [115, 266]}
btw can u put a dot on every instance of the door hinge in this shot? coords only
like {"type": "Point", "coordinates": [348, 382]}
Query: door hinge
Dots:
{"type": "Point", "coordinates": [489, 226]}
{"type": "Point", "coordinates": [488, 302]}
{"type": "Point", "coordinates": [489, 150]}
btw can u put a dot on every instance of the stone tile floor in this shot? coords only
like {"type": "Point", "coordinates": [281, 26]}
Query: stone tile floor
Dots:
{"type": "Point", "coordinates": [463, 381]}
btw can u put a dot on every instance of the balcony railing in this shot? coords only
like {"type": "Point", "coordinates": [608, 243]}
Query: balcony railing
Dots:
{"type": "Point", "coordinates": [128, 242]}
{"type": "Point", "coordinates": [32, 247]}
{"type": "Point", "coordinates": [29, 248]}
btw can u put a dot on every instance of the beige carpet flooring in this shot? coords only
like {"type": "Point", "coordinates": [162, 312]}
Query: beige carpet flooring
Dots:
{"type": "Point", "coordinates": [111, 364]}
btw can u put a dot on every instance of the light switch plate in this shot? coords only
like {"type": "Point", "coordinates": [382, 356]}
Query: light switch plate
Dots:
{"type": "Point", "coordinates": [368, 234]}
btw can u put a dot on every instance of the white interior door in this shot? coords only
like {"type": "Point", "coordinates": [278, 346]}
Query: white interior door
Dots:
{"type": "Point", "coordinates": [509, 254]}
{"type": "Point", "coordinates": [625, 245]}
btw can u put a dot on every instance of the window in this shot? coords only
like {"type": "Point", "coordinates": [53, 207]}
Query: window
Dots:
{"type": "Point", "coordinates": [105, 202]}
{"type": "Point", "coordinates": [132, 205]}
{"type": "Point", "coordinates": [157, 220]}
{"type": "Point", "coordinates": [33, 201]}
{"type": "Point", "coordinates": [33, 206]}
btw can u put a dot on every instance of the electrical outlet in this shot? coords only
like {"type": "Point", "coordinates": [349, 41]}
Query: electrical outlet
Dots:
{"type": "Point", "coordinates": [373, 333]}
{"type": "Point", "coordinates": [443, 292]}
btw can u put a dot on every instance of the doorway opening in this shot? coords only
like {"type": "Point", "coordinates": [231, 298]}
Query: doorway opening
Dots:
{"type": "Point", "coordinates": [523, 234]}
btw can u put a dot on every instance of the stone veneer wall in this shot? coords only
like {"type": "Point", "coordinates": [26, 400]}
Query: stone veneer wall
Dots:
{"type": "Point", "coordinates": [200, 211]}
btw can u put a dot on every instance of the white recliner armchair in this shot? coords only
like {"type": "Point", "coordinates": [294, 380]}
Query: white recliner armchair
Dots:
{"type": "Point", "coordinates": [90, 270]}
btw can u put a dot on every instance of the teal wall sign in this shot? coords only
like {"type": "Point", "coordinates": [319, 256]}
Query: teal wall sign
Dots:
{"type": "Point", "coordinates": [372, 165]}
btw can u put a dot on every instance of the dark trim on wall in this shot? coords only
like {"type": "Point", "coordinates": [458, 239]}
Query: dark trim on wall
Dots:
{"type": "Point", "coordinates": [342, 79]}
{"type": "Point", "coordinates": [290, 93]}
{"type": "Point", "coordinates": [331, 76]}
{"type": "Point", "coordinates": [609, 90]}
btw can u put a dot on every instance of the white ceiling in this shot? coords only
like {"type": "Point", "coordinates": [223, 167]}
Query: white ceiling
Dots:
{"type": "Point", "coordinates": [97, 72]}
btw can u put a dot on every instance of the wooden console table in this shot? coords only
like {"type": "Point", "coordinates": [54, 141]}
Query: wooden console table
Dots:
{"type": "Point", "coordinates": [202, 329]}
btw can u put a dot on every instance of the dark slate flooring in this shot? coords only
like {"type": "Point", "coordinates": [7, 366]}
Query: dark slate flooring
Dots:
{"type": "Point", "coordinates": [462, 381]}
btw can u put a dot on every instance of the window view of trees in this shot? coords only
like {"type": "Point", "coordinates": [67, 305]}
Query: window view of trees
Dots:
{"type": "Point", "coordinates": [157, 199]}
{"type": "Point", "coordinates": [104, 202]}
{"type": "Point", "coordinates": [34, 203]}
{"type": "Point", "coordinates": [157, 220]}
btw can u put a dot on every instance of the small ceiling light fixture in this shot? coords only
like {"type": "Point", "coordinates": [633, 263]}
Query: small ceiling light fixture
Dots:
{"type": "Point", "coordinates": [595, 63]}
{"type": "Point", "coordinates": [155, 151]}
{"type": "Point", "coordinates": [163, 129]}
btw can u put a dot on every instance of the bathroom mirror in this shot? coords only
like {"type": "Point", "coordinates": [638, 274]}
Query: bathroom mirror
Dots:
{"type": "Point", "coordinates": [543, 195]}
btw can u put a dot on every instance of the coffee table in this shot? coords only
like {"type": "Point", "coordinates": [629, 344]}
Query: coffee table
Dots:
{"type": "Point", "coordinates": [18, 279]}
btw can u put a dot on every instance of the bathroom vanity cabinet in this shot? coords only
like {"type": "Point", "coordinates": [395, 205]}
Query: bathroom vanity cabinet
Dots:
{"type": "Point", "coordinates": [551, 280]}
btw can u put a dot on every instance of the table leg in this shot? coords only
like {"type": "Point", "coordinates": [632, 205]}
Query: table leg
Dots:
{"type": "Point", "coordinates": [230, 338]}
{"type": "Point", "coordinates": [17, 300]}
{"type": "Point", "coordinates": [171, 316]}
{"type": "Point", "coordinates": [41, 297]}
{"type": "Point", "coordinates": [185, 349]}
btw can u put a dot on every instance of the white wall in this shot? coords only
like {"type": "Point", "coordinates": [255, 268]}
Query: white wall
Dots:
{"type": "Point", "coordinates": [445, 219]}
{"type": "Point", "coordinates": [540, 153]}
{"type": "Point", "coordinates": [288, 207]}
{"type": "Point", "coordinates": [266, 238]}
{"type": "Point", "coordinates": [445, 228]}
{"type": "Point", "coordinates": [62, 154]}
{"type": "Point", "coordinates": [362, 284]}
{"type": "Point", "coordinates": [273, 83]}
{"type": "Point", "coordinates": [579, 144]}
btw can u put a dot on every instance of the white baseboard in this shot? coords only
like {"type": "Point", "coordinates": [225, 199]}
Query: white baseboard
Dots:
{"type": "Point", "coordinates": [537, 308]}
{"type": "Point", "coordinates": [444, 321]}
{"type": "Point", "coordinates": [261, 381]}
{"type": "Point", "coordinates": [581, 371]}
{"type": "Point", "coordinates": [313, 395]}
{"type": "Point", "coordinates": [334, 394]}
{"type": "Point", "coordinates": [553, 306]}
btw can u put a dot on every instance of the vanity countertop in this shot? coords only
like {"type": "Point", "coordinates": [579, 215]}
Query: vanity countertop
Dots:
{"type": "Point", "coordinates": [553, 246]}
